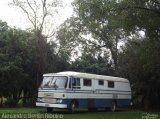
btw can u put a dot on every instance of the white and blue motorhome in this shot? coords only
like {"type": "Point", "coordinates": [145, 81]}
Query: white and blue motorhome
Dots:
{"type": "Point", "coordinates": [83, 90]}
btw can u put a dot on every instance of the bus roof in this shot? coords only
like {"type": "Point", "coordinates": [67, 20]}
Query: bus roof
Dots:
{"type": "Point", "coordinates": [87, 75]}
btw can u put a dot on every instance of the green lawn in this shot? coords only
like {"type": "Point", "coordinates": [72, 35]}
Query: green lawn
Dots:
{"type": "Point", "coordinates": [81, 114]}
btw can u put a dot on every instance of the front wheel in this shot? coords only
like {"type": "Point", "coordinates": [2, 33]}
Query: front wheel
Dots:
{"type": "Point", "coordinates": [72, 107]}
{"type": "Point", "coordinates": [113, 106]}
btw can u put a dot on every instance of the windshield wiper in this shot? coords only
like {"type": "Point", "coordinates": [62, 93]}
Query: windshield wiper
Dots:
{"type": "Point", "coordinates": [54, 85]}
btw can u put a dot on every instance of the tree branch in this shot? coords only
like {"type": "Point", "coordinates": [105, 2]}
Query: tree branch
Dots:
{"type": "Point", "coordinates": [17, 3]}
{"type": "Point", "coordinates": [44, 13]}
{"type": "Point", "coordinates": [35, 14]}
{"type": "Point", "coordinates": [143, 8]}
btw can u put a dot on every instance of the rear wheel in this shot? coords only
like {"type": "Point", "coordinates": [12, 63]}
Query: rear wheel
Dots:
{"type": "Point", "coordinates": [113, 106]}
{"type": "Point", "coordinates": [49, 109]}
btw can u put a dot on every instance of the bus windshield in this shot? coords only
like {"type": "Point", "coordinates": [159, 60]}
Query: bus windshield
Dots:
{"type": "Point", "coordinates": [54, 82]}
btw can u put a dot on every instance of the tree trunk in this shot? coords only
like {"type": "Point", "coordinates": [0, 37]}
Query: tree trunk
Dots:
{"type": "Point", "coordinates": [115, 58]}
{"type": "Point", "coordinates": [41, 56]}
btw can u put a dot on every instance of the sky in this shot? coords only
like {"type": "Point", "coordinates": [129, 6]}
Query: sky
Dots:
{"type": "Point", "coordinates": [15, 17]}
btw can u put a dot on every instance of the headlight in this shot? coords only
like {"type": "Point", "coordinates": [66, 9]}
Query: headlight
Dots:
{"type": "Point", "coordinates": [59, 100]}
{"type": "Point", "coordinates": [39, 99]}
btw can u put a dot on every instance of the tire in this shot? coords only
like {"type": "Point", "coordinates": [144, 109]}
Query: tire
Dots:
{"type": "Point", "coordinates": [49, 110]}
{"type": "Point", "coordinates": [72, 107]}
{"type": "Point", "coordinates": [113, 106]}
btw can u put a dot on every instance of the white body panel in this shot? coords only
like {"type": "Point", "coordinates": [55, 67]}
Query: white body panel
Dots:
{"type": "Point", "coordinates": [51, 105]}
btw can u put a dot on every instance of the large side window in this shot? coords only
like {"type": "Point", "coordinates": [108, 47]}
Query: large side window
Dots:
{"type": "Point", "coordinates": [110, 84]}
{"type": "Point", "coordinates": [100, 82]}
{"type": "Point", "coordinates": [75, 83]}
{"type": "Point", "coordinates": [87, 82]}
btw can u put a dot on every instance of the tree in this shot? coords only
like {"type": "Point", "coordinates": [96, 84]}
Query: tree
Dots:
{"type": "Point", "coordinates": [39, 13]}
{"type": "Point", "coordinates": [97, 18]}
{"type": "Point", "coordinates": [16, 66]}
{"type": "Point", "coordinates": [139, 62]}
{"type": "Point", "coordinates": [135, 16]}
{"type": "Point", "coordinates": [18, 60]}
{"type": "Point", "coordinates": [3, 28]}
{"type": "Point", "coordinates": [68, 36]}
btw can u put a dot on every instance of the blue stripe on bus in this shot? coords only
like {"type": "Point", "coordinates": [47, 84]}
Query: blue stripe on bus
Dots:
{"type": "Point", "coordinates": [83, 103]}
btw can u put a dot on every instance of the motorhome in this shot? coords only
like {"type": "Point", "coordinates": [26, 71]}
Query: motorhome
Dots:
{"type": "Point", "coordinates": [73, 90]}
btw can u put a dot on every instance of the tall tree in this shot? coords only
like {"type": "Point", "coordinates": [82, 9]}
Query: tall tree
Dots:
{"type": "Point", "coordinates": [96, 17]}
{"type": "Point", "coordinates": [39, 13]}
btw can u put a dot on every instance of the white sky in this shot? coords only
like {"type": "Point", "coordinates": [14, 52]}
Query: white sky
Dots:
{"type": "Point", "coordinates": [15, 17]}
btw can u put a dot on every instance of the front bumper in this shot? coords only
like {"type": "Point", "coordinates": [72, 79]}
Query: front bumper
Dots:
{"type": "Point", "coordinates": [41, 104]}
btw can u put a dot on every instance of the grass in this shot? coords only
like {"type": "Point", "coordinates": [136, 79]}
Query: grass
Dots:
{"type": "Point", "coordinates": [80, 114]}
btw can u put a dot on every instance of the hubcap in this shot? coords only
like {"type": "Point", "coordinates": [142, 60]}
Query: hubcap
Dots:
{"type": "Point", "coordinates": [113, 107]}
{"type": "Point", "coordinates": [73, 106]}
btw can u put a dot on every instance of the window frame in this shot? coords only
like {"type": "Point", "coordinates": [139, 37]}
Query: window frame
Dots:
{"type": "Point", "coordinates": [102, 82]}
{"type": "Point", "coordinates": [88, 84]}
{"type": "Point", "coordinates": [111, 84]}
{"type": "Point", "coordinates": [75, 86]}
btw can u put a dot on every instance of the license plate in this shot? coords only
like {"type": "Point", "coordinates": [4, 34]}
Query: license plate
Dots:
{"type": "Point", "coordinates": [49, 100]}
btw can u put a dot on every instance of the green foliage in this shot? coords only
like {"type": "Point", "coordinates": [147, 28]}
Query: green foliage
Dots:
{"type": "Point", "coordinates": [144, 15]}
{"type": "Point", "coordinates": [11, 103]}
{"type": "Point", "coordinates": [56, 62]}
{"type": "Point", "coordinates": [69, 37]}
{"type": "Point", "coordinates": [98, 17]}
{"type": "Point", "coordinates": [16, 53]}
{"type": "Point", "coordinates": [18, 64]}
{"type": "Point", "coordinates": [93, 64]}
{"type": "Point", "coordinates": [139, 62]}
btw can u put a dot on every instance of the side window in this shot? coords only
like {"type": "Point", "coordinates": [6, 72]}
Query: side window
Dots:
{"type": "Point", "coordinates": [76, 83]}
{"type": "Point", "coordinates": [87, 82]}
{"type": "Point", "coordinates": [100, 82]}
{"type": "Point", "coordinates": [110, 84]}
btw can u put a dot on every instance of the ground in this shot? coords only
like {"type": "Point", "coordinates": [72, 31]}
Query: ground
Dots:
{"type": "Point", "coordinates": [80, 114]}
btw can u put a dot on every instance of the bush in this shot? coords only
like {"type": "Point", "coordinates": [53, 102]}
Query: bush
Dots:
{"type": "Point", "coordinates": [11, 103]}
